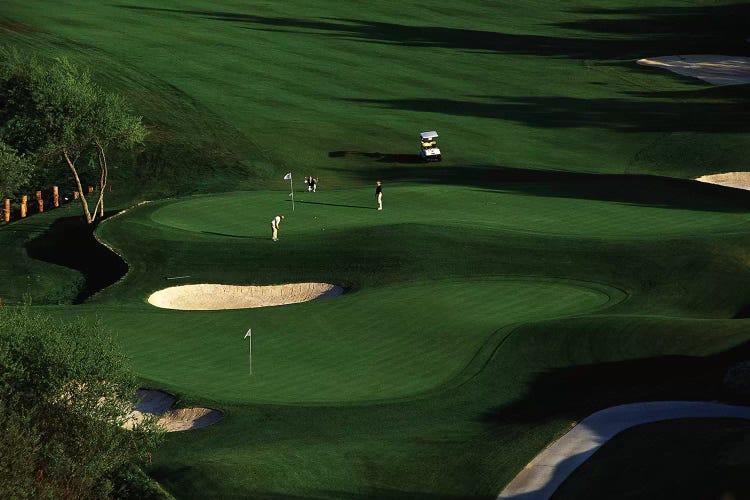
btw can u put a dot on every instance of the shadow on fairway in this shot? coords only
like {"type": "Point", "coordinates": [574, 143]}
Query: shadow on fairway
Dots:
{"type": "Point", "coordinates": [380, 157]}
{"type": "Point", "coordinates": [638, 33]}
{"type": "Point", "coordinates": [572, 393]}
{"type": "Point", "coordinates": [70, 242]}
{"type": "Point", "coordinates": [707, 112]}
{"type": "Point", "coordinates": [227, 235]}
{"type": "Point", "coordinates": [648, 190]}
{"type": "Point", "coordinates": [334, 204]}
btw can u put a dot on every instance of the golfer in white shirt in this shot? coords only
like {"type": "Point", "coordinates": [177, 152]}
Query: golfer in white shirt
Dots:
{"type": "Point", "coordinates": [275, 226]}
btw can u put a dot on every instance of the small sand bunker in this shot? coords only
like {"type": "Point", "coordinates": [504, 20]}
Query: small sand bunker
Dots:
{"type": "Point", "coordinates": [207, 297]}
{"type": "Point", "coordinates": [170, 419]}
{"type": "Point", "coordinates": [739, 180]}
{"type": "Point", "coordinates": [713, 69]}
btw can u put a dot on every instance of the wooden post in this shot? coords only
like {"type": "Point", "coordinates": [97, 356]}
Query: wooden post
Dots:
{"type": "Point", "coordinates": [91, 189]}
{"type": "Point", "coordinates": [6, 211]}
{"type": "Point", "coordinates": [24, 201]}
{"type": "Point", "coordinates": [55, 196]}
{"type": "Point", "coordinates": [40, 201]}
{"type": "Point", "coordinates": [76, 194]}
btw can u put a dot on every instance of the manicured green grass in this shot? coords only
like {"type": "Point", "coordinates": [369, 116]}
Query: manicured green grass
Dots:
{"type": "Point", "coordinates": [241, 214]}
{"type": "Point", "coordinates": [387, 343]}
{"type": "Point", "coordinates": [446, 350]}
{"type": "Point", "coordinates": [438, 360]}
{"type": "Point", "coordinates": [519, 285]}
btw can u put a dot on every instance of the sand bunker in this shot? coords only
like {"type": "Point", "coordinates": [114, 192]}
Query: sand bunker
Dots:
{"type": "Point", "coordinates": [170, 419]}
{"type": "Point", "coordinates": [207, 297]}
{"type": "Point", "coordinates": [714, 69]}
{"type": "Point", "coordinates": [739, 180]}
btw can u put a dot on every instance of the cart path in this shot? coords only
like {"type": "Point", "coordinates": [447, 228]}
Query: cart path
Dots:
{"type": "Point", "coordinates": [544, 474]}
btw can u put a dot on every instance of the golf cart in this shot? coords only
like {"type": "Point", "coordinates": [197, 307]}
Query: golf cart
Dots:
{"type": "Point", "coordinates": [429, 150]}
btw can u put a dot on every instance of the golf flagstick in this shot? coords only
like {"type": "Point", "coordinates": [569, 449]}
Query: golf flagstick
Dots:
{"type": "Point", "coordinates": [249, 335]}
{"type": "Point", "coordinates": [291, 187]}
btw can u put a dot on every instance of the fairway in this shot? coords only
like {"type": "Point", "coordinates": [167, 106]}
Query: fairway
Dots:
{"type": "Point", "coordinates": [559, 260]}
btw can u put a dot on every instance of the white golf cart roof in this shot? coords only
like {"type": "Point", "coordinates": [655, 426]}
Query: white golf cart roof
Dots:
{"type": "Point", "coordinates": [428, 135]}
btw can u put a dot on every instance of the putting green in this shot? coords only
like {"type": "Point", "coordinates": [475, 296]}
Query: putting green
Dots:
{"type": "Point", "coordinates": [248, 214]}
{"type": "Point", "coordinates": [375, 344]}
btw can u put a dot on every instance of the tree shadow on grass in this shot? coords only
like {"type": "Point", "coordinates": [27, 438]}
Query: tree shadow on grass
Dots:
{"type": "Point", "coordinates": [705, 112]}
{"type": "Point", "coordinates": [647, 190]}
{"type": "Point", "coordinates": [70, 242]}
{"type": "Point", "coordinates": [619, 33]}
{"type": "Point", "coordinates": [575, 392]}
{"type": "Point", "coordinates": [716, 27]}
{"type": "Point", "coordinates": [379, 157]}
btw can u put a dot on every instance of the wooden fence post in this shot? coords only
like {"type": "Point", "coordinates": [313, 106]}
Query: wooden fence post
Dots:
{"type": "Point", "coordinates": [6, 211]}
{"type": "Point", "coordinates": [24, 201]}
{"type": "Point", "coordinates": [55, 196]}
{"type": "Point", "coordinates": [40, 201]}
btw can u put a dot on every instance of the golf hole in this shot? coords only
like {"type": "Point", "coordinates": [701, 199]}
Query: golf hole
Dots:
{"type": "Point", "coordinates": [211, 297]}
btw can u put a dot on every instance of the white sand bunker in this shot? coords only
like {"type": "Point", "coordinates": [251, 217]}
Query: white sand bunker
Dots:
{"type": "Point", "coordinates": [739, 180]}
{"type": "Point", "coordinates": [170, 419]}
{"type": "Point", "coordinates": [207, 297]}
{"type": "Point", "coordinates": [714, 69]}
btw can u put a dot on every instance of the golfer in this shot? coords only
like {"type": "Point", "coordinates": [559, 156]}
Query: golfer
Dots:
{"type": "Point", "coordinates": [379, 194]}
{"type": "Point", "coordinates": [275, 227]}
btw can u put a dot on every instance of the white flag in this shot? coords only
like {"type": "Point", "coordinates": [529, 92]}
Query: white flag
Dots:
{"type": "Point", "coordinates": [249, 334]}
{"type": "Point", "coordinates": [288, 176]}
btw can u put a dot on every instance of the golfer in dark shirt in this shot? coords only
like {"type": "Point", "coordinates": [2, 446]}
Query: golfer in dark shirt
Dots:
{"type": "Point", "coordinates": [379, 194]}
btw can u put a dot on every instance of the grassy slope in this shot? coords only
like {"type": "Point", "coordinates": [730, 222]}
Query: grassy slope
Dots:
{"type": "Point", "coordinates": [532, 85]}
{"type": "Point", "coordinates": [237, 92]}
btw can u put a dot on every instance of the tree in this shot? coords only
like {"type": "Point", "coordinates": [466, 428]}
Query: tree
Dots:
{"type": "Point", "coordinates": [54, 111]}
{"type": "Point", "coordinates": [65, 391]}
{"type": "Point", "coordinates": [15, 170]}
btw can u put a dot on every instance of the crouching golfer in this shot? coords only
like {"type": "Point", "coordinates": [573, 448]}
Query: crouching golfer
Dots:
{"type": "Point", "coordinates": [275, 227]}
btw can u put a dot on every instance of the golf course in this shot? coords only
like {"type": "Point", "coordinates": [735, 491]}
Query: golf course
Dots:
{"type": "Point", "coordinates": [561, 259]}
